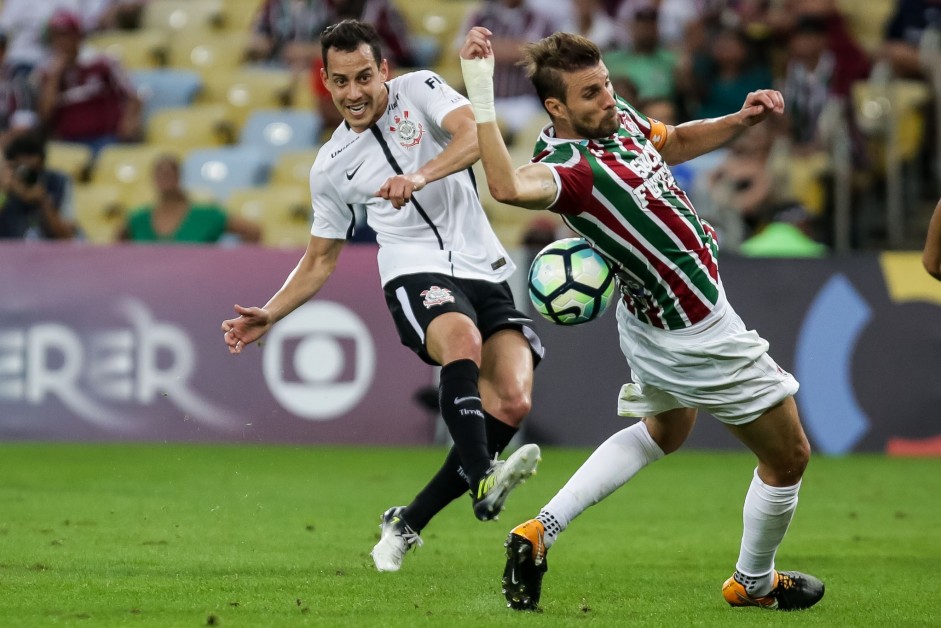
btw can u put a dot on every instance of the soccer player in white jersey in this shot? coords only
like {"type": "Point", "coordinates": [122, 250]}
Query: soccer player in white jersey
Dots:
{"type": "Point", "coordinates": [603, 166]}
{"type": "Point", "coordinates": [404, 154]}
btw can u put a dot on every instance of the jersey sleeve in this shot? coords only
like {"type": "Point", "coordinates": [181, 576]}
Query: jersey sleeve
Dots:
{"type": "Point", "coordinates": [574, 180]}
{"type": "Point", "coordinates": [435, 97]}
{"type": "Point", "coordinates": [332, 218]}
{"type": "Point", "coordinates": [653, 130]}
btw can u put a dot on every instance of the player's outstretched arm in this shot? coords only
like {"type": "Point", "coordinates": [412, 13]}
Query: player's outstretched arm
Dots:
{"type": "Point", "coordinates": [692, 139]}
{"type": "Point", "coordinates": [531, 186]}
{"type": "Point", "coordinates": [310, 274]}
{"type": "Point", "coordinates": [931, 257]}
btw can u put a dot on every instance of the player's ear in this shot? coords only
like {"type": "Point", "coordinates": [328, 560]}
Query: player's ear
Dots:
{"type": "Point", "coordinates": [323, 77]}
{"type": "Point", "coordinates": [384, 70]}
{"type": "Point", "coordinates": [554, 107]}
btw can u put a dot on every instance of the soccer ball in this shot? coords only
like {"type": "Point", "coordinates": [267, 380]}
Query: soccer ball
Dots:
{"type": "Point", "coordinates": [570, 283]}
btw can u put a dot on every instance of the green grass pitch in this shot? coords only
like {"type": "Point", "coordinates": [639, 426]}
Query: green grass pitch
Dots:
{"type": "Point", "coordinates": [183, 535]}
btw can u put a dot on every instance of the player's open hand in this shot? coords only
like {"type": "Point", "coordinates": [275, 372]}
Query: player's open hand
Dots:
{"type": "Point", "coordinates": [398, 189]}
{"type": "Point", "coordinates": [760, 104]}
{"type": "Point", "coordinates": [252, 324]}
{"type": "Point", "coordinates": [477, 44]}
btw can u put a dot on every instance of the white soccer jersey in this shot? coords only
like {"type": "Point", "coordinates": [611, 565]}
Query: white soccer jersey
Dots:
{"type": "Point", "coordinates": [443, 229]}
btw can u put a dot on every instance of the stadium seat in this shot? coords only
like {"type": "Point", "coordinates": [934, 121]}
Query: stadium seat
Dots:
{"type": "Point", "coordinates": [279, 130]}
{"type": "Point", "coordinates": [207, 52]}
{"type": "Point", "coordinates": [218, 171]}
{"type": "Point", "coordinates": [283, 211]}
{"type": "Point", "coordinates": [238, 15]}
{"type": "Point", "coordinates": [99, 211]}
{"type": "Point", "coordinates": [163, 88]}
{"type": "Point", "coordinates": [73, 159]}
{"type": "Point", "coordinates": [293, 167]}
{"type": "Point", "coordinates": [197, 126]}
{"type": "Point", "coordinates": [182, 15]}
{"type": "Point", "coordinates": [244, 90]}
{"type": "Point", "coordinates": [128, 167]}
{"type": "Point", "coordinates": [137, 50]}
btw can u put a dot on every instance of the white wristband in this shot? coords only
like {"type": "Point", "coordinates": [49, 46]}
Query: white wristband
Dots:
{"type": "Point", "coordinates": [478, 81]}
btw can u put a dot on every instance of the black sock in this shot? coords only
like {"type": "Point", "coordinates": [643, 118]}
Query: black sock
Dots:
{"type": "Point", "coordinates": [450, 482]}
{"type": "Point", "coordinates": [463, 413]}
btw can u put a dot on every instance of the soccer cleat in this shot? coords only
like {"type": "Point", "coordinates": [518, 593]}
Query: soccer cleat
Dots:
{"type": "Point", "coordinates": [395, 539]}
{"type": "Point", "coordinates": [525, 566]}
{"type": "Point", "coordinates": [792, 591]}
{"type": "Point", "coordinates": [503, 477]}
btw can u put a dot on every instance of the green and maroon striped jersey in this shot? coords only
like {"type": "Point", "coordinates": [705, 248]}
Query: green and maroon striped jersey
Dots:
{"type": "Point", "coordinates": [619, 193]}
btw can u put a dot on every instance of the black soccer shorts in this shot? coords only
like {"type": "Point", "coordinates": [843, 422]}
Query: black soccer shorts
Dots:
{"type": "Point", "coordinates": [416, 300]}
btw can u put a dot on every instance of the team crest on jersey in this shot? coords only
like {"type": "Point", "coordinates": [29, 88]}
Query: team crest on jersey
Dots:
{"type": "Point", "coordinates": [408, 132]}
{"type": "Point", "coordinates": [436, 295]}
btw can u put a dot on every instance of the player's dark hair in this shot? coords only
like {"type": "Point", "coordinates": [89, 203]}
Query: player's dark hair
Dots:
{"type": "Point", "coordinates": [348, 36]}
{"type": "Point", "coordinates": [546, 60]}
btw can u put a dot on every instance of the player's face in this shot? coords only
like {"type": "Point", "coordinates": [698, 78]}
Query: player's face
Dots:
{"type": "Point", "coordinates": [589, 110]}
{"type": "Point", "coordinates": [357, 85]}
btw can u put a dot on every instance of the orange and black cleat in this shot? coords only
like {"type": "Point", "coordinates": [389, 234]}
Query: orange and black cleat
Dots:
{"type": "Point", "coordinates": [792, 591]}
{"type": "Point", "coordinates": [525, 566]}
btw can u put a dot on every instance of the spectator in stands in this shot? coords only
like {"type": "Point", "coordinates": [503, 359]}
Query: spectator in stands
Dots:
{"type": "Point", "coordinates": [513, 23]}
{"type": "Point", "coordinates": [36, 201]}
{"type": "Point", "coordinates": [905, 36]}
{"type": "Point", "coordinates": [17, 99]}
{"type": "Point", "coordinates": [589, 19]}
{"type": "Point", "coordinates": [646, 62]}
{"type": "Point", "coordinates": [676, 16]}
{"type": "Point", "coordinates": [823, 63]}
{"type": "Point", "coordinates": [25, 23]}
{"type": "Point", "coordinates": [719, 77]}
{"type": "Point", "coordinates": [85, 99]}
{"type": "Point", "coordinates": [174, 218]}
{"type": "Point", "coordinates": [931, 256]}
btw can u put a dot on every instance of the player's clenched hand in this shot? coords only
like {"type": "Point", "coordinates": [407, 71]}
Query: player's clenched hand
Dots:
{"type": "Point", "coordinates": [398, 189]}
{"type": "Point", "coordinates": [477, 44]}
{"type": "Point", "coordinates": [252, 324]}
{"type": "Point", "coordinates": [760, 104]}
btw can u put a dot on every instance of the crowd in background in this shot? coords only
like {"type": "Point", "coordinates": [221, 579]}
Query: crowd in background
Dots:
{"type": "Point", "coordinates": [769, 192]}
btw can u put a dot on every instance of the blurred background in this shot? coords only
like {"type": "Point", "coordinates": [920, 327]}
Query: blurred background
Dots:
{"type": "Point", "coordinates": [196, 122]}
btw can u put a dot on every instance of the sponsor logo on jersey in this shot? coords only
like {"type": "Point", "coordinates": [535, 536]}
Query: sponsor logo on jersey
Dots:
{"type": "Point", "coordinates": [408, 132]}
{"type": "Point", "coordinates": [436, 295]}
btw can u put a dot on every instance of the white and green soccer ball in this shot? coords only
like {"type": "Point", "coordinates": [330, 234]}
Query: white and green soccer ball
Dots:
{"type": "Point", "coordinates": [570, 283]}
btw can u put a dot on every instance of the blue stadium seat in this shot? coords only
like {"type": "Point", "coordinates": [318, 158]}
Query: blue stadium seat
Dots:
{"type": "Point", "coordinates": [218, 171]}
{"type": "Point", "coordinates": [279, 130]}
{"type": "Point", "coordinates": [163, 88]}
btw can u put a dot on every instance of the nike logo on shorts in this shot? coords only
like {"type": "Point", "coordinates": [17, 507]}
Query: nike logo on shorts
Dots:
{"type": "Point", "coordinates": [352, 173]}
{"type": "Point", "coordinates": [459, 400]}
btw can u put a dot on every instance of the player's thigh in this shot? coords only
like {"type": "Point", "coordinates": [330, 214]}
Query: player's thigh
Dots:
{"type": "Point", "coordinates": [671, 428]}
{"type": "Point", "coordinates": [778, 440]}
{"type": "Point", "coordinates": [416, 301]}
{"type": "Point", "coordinates": [506, 375]}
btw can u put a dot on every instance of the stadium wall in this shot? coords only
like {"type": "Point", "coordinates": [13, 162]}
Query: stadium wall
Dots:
{"type": "Point", "coordinates": [123, 344]}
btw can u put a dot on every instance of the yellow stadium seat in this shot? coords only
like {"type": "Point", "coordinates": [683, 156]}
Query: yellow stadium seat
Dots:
{"type": "Point", "coordinates": [238, 15]}
{"type": "Point", "coordinates": [866, 20]}
{"type": "Point", "coordinates": [128, 167]}
{"type": "Point", "coordinates": [293, 168]}
{"type": "Point", "coordinates": [901, 100]}
{"type": "Point", "coordinates": [283, 211]}
{"type": "Point", "coordinates": [99, 211]}
{"type": "Point", "coordinates": [73, 159]}
{"type": "Point", "coordinates": [181, 15]}
{"type": "Point", "coordinates": [201, 125]}
{"type": "Point", "coordinates": [135, 50]}
{"type": "Point", "coordinates": [207, 52]}
{"type": "Point", "coordinates": [244, 90]}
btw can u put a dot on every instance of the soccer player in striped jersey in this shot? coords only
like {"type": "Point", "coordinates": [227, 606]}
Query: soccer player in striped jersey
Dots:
{"type": "Point", "coordinates": [602, 165]}
{"type": "Point", "coordinates": [403, 155]}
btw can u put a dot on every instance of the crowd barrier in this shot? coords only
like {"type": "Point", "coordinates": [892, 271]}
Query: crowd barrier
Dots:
{"type": "Point", "coordinates": [124, 343]}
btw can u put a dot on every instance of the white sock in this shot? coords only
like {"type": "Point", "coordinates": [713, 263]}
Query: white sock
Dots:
{"type": "Point", "coordinates": [766, 516]}
{"type": "Point", "coordinates": [610, 466]}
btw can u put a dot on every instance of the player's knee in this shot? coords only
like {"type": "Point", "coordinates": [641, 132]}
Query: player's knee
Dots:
{"type": "Point", "coordinates": [788, 468]}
